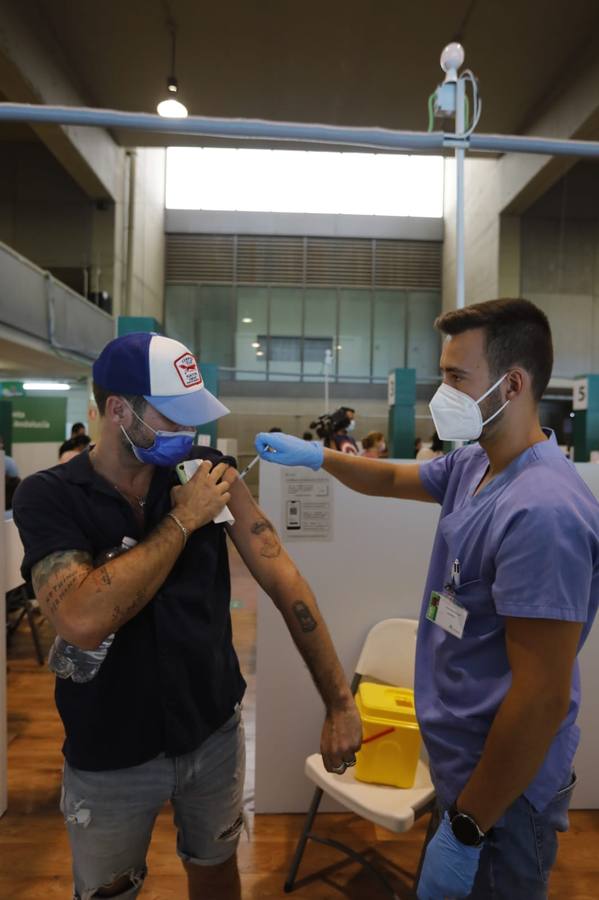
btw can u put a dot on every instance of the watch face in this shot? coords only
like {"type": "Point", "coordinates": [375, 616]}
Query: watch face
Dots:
{"type": "Point", "coordinates": [466, 830]}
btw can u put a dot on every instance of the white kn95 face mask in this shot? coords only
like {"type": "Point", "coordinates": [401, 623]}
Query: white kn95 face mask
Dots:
{"type": "Point", "coordinates": [457, 416]}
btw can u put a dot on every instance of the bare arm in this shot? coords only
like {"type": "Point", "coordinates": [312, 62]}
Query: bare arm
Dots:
{"type": "Point", "coordinates": [377, 479]}
{"type": "Point", "coordinates": [541, 654]}
{"type": "Point", "coordinates": [85, 605]}
{"type": "Point", "coordinates": [260, 547]}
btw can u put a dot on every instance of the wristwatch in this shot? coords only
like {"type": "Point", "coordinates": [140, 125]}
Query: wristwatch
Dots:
{"type": "Point", "coordinates": [465, 828]}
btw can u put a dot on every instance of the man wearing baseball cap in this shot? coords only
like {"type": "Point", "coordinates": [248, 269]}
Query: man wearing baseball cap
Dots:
{"type": "Point", "coordinates": [161, 718]}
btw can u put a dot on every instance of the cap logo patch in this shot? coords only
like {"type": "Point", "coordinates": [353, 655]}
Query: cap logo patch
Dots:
{"type": "Point", "coordinates": [187, 369]}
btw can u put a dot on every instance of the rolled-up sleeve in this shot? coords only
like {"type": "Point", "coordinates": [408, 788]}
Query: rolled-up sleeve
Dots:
{"type": "Point", "coordinates": [544, 566]}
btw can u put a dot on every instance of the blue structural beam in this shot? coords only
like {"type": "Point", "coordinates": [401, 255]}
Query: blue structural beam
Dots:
{"type": "Point", "coordinates": [260, 129]}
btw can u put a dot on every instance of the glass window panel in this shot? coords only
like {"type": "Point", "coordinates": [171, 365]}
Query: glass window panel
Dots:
{"type": "Point", "coordinates": [252, 320]}
{"type": "Point", "coordinates": [215, 310]}
{"type": "Point", "coordinates": [353, 348]}
{"type": "Point", "coordinates": [179, 313]}
{"type": "Point", "coordinates": [389, 350]}
{"type": "Point", "coordinates": [320, 330]}
{"type": "Point", "coordinates": [285, 334]}
{"type": "Point", "coordinates": [424, 342]}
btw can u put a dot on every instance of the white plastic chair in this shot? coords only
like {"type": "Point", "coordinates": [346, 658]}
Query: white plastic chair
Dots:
{"type": "Point", "coordinates": [388, 656]}
{"type": "Point", "coordinates": [18, 602]}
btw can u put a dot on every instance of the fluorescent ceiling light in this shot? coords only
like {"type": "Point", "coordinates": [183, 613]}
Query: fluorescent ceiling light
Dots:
{"type": "Point", "coordinates": [247, 321]}
{"type": "Point", "coordinates": [46, 386]}
{"type": "Point", "coordinates": [255, 345]}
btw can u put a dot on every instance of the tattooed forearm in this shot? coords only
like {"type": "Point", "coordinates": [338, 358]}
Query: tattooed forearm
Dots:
{"type": "Point", "coordinates": [101, 578]}
{"type": "Point", "coordinates": [120, 614]}
{"type": "Point", "coordinates": [304, 616]}
{"type": "Point", "coordinates": [270, 543]}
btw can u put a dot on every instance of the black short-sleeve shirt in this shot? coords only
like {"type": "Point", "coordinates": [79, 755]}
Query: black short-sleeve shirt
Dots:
{"type": "Point", "coordinates": [171, 676]}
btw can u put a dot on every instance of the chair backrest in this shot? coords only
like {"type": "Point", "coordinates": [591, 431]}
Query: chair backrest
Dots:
{"type": "Point", "coordinates": [14, 552]}
{"type": "Point", "coordinates": [389, 652]}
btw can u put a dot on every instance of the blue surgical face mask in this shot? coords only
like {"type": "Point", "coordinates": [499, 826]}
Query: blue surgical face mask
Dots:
{"type": "Point", "coordinates": [168, 449]}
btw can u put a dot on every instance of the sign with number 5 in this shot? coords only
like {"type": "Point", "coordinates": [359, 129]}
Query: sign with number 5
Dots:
{"type": "Point", "coordinates": [580, 394]}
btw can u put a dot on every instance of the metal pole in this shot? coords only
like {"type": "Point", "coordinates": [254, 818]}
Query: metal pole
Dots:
{"type": "Point", "coordinates": [328, 360]}
{"type": "Point", "coordinates": [460, 300]}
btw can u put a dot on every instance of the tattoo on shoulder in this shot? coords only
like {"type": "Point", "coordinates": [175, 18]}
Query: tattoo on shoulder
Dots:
{"type": "Point", "coordinates": [265, 531]}
{"type": "Point", "coordinates": [304, 616]}
{"type": "Point", "coordinates": [57, 573]}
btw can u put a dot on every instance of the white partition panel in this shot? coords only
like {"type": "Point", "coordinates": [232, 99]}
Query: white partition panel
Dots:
{"type": "Point", "coordinates": [3, 723]}
{"type": "Point", "coordinates": [373, 568]}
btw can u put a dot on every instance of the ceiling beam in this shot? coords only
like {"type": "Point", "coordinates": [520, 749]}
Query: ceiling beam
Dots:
{"type": "Point", "coordinates": [30, 72]}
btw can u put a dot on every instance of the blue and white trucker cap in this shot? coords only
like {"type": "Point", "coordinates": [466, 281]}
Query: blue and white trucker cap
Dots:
{"type": "Point", "coordinates": [163, 371]}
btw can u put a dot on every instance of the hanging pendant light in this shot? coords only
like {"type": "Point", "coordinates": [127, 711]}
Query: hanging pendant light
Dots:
{"type": "Point", "coordinates": [170, 107]}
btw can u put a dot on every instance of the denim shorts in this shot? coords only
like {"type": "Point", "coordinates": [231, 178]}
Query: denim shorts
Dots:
{"type": "Point", "coordinates": [519, 853]}
{"type": "Point", "coordinates": [110, 815]}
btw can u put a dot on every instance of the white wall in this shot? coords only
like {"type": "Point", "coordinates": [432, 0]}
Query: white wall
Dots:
{"type": "Point", "coordinates": [32, 458]}
{"type": "Point", "coordinates": [374, 568]}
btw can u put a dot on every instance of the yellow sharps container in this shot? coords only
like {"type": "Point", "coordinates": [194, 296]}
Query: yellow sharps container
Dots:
{"type": "Point", "coordinates": [391, 737]}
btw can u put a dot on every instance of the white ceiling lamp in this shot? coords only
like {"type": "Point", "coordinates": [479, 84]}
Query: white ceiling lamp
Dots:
{"type": "Point", "coordinates": [46, 386]}
{"type": "Point", "coordinates": [170, 107]}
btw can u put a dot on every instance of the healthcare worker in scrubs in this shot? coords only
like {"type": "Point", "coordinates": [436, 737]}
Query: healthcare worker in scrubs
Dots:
{"type": "Point", "coordinates": [511, 594]}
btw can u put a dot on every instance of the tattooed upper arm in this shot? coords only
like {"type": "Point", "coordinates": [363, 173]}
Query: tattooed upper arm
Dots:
{"type": "Point", "coordinates": [270, 545]}
{"type": "Point", "coordinates": [57, 574]}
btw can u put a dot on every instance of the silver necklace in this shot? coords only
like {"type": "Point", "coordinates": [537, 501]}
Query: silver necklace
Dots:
{"type": "Point", "coordinates": [140, 500]}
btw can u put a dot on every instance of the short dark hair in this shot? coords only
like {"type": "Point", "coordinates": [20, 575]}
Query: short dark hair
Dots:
{"type": "Point", "coordinates": [101, 395]}
{"type": "Point", "coordinates": [517, 334]}
{"type": "Point", "coordinates": [76, 427]}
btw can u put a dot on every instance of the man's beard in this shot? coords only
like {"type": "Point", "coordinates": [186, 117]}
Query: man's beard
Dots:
{"type": "Point", "coordinates": [138, 435]}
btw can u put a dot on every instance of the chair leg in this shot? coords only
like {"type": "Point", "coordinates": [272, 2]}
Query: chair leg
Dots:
{"type": "Point", "coordinates": [33, 627]}
{"type": "Point", "coordinates": [301, 845]}
{"type": "Point", "coordinates": [433, 824]}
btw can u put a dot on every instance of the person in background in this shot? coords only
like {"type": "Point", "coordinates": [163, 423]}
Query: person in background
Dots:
{"type": "Point", "coordinates": [307, 436]}
{"type": "Point", "coordinates": [11, 483]}
{"type": "Point", "coordinates": [417, 446]}
{"type": "Point", "coordinates": [10, 467]}
{"type": "Point", "coordinates": [374, 446]}
{"type": "Point", "coordinates": [342, 439]}
{"type": "Point", "coordinates": [72, 447]}
{"type": "Point", "coordinates": [432, 452]}
{"type": "Point", "coordinates": [77, 429]}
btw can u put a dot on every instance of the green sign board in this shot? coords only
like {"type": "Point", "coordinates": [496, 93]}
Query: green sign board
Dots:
{"type": "Point", "coordinates": [37, 420]}
{"type": "Point", "coordinates": [10, 389]}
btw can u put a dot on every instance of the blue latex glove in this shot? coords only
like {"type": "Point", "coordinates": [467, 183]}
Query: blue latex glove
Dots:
{"type": "Point", "coordinates": [289, 450]}
{"type": "Point", "coordinates": [449, 868]}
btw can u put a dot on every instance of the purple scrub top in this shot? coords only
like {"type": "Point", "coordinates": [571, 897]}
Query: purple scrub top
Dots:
{"type": "Point", "coordinates": [528, 545]}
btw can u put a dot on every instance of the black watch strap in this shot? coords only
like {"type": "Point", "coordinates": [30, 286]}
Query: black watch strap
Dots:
{"type": "Point", "coordinates": [465, 828]}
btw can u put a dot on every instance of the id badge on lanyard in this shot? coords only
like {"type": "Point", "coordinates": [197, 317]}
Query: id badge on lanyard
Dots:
{"type": "Point", "coordinates": [445, 610]}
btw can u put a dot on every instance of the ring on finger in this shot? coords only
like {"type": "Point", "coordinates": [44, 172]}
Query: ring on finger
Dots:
{"type": "Point", "coordinates": [340, 769]}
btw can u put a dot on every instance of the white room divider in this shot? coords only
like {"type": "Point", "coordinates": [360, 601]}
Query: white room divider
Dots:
{"type": "Point", "coordinates": [373, 567]}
